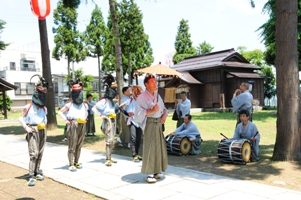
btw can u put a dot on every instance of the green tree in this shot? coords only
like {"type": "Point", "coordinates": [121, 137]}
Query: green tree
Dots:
{"type": "Point", "coordinates": [269, 84]}
{"type": "Point", "coordinates": [2, 44]}
{"type": "Point", "coordinates": [183, 43]}
{"type": "Point", "coordinates": [137, 52]}
{"type": "Point", "coordinates": [203, 48]}
{"type": "Point", "coordinates": [67, 39]}
{"type": "Point", "coordinates": [256, 57]}
{"type": "Point", "coordinates": [268, 33]}
{"type": "Point", "coordinates": [95, 33]}
{"type": "Point", "coordinates": [8, 103]}
{"type": "Point", "coordinates": [85, 79]}
{"type": "Point", "coordinates": [283, 49]}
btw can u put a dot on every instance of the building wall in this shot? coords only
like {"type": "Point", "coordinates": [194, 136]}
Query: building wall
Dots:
{"type": "Point", "coordinates": [17, 66]}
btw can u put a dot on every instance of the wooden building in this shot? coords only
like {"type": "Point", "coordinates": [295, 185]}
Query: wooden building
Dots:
{"type": "Point", "coordinates": [5, 86]}
{"type": "Point", "coordinates": [212, 78]}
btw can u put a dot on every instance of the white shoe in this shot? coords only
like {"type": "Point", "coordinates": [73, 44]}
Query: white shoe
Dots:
{"type": "Point", "coordinates": [72, 168]}
{"type": "Point", "coordinates": [129, 145]}
{"type": "Point", "coordinates": [150, 179]}
{"type": "Point", "coordinates": [158, 176]}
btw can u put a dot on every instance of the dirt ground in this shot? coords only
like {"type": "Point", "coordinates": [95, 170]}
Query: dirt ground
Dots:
{"type": "Point", "coordinates": [13, 185]}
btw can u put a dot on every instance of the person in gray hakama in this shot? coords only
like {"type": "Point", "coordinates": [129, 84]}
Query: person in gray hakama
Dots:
{"type": "Point", "coordinates": [242, 100]}
{"type": "Point", "coordinates": [189, 129]}
{"type": "Point", "coordinates": [248, 130]}
{"type": "Point", "coordinates": [182, 108]}
{"type": "Point", "coordinates": [150, 114]}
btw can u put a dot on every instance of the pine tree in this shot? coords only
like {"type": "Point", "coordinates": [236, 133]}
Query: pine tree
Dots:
{"type": "Point", "coordinates": [203, 48]}
{"type": "Point", "coordinates": [183, 43]}
{"type": "Point", "coordinates": [137, 52]}
{"type": "Point", "coordinates": [95, 34]}
{"type": "Point", "coordinates": [68, 40]}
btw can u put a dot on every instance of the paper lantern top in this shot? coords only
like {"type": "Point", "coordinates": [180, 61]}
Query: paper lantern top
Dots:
{"type": "Point", "coordinates": [40, 8]}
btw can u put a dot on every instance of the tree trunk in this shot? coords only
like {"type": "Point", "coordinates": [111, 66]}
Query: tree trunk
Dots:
{"type": "Point", "coordinates": [129, 70]}
{"type": "Point", "coordinates": [136, 79]}
{"type": "Point", "coordinates": [287, 145]}
{"type": "Point", "coordinates": [99, 77]}
{"type": "Point", "coordinates": [4, 104]}
{"type": "Point", "coordinates": [51, 117]}
{"type": "Point", "coordinates": [118, 53]}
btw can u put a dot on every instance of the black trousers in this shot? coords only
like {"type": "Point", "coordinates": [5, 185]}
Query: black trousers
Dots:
{"type": "Point", "coordinates": [136, 134]}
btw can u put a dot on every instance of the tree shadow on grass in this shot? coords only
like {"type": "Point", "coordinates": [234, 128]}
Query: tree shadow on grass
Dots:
{"type": "Point", "coordinates": [257, 116]}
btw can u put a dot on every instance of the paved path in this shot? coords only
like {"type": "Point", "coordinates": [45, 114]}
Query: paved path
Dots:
{"type": "Point", "coordinates": [125, 181]}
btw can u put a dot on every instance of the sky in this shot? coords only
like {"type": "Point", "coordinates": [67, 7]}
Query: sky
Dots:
{"type": "Point", "coordinates": [222, 23]}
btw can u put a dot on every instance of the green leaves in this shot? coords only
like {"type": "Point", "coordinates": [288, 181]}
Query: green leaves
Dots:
{"type": "Point", "coordinates": [2, 44]}
{"type": "Point", "coordinates": [68, 40]}
{"type": "Point", "coordinates": [268, 33]}
{"type": "Point", "coordinates": [8, 103]}
{"type": "Point", "coordinates": [136, 49]}
{"type": "Point", "coordinates": [95, 34]}
{"type": "Point", "coordinates": [204, 47]}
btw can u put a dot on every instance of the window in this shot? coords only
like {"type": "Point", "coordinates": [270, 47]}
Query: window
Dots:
{"type": "Point", "coordinates": [55, 87]}
{"type": "Point", "coordinates": [18, 91]}
{"type": "Point", "coordinates": [12, 65]}
{"type": "Point", "coordinates": [95, 85]}
{"type": "Point", "coordinates": [28, 65]}
{"type": "Point", "coordinates": [29, 88]}
{"type": "Point", "coordinates": [24, 88]}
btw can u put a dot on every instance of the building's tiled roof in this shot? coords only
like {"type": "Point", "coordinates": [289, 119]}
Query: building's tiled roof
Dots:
{"type": "Point", "coordinates": [225, 58]}
{"type": "Point", "coordinates": [245, 75]}
{"type": "Point", "coordinates": [188, 78]}
{"type": "Point", "coordinates": [4, 85]}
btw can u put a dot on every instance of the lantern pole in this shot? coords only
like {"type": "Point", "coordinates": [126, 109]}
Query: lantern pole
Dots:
{"type": "Point", "coordinates": [51, 116]}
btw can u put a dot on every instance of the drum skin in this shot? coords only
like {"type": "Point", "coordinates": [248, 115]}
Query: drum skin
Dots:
{"type": "Point", "coordinates": [237, 151]}
{"type": "Point", "coordinates": [179, 145]}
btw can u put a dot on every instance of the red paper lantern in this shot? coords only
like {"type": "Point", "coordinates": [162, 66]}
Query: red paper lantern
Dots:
{"type": "Point", "coordinates": [40, 8]}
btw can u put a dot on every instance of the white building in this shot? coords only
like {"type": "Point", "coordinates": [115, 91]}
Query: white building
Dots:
{"type": "Point", "coordinates": [17, 67]}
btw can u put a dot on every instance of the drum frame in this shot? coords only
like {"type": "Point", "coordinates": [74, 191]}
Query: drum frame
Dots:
{"type": "Point", "coordinates": [228, 154]}
{"type": "Point", "coordinates": [174, 150]}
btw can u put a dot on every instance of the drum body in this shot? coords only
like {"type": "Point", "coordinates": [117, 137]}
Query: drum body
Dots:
{"type": "Point", "coordinates": [179, 145]}
{"type": "Point", "coordinates": [237, 151]}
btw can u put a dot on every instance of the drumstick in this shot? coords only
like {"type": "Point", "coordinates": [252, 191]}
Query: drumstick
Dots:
{"type": "Point", "coordinates": [224, 135]}
{"type": "Point", "coordinates": [255, 134]}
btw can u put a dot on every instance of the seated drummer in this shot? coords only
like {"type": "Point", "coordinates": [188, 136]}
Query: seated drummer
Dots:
{"type": "Point", "coordinates": [247, 129]}
{"type": "Point", "coordinates": [188, 128]}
